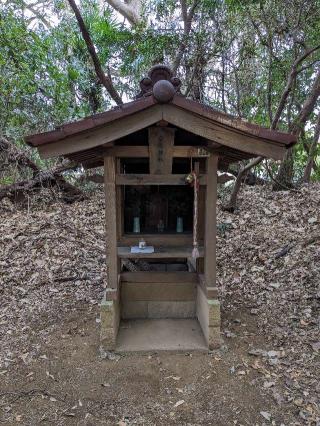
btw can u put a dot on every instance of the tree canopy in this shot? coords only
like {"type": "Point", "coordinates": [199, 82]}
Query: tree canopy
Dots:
{"type": "Point", "coordinates": [259, 60]}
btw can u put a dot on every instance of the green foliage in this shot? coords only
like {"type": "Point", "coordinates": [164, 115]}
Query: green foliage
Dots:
{"type": "Point", "coordinates": [237, 58]}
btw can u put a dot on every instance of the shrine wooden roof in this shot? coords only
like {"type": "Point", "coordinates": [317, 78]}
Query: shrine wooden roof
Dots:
{"type": "Point", "coordinates": [160, 101]}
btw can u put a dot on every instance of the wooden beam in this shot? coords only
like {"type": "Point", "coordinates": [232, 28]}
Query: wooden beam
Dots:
{"type": "Point", "coordinates": [146, 179]}
{"type": "Point", "coordinates": [210, 222]}
{"type": "Point", "coordinates": [222, 178]}
{"type": "Point", "coordinates": [210, 292]}
{"type": "Point", "coordinates": [111, 222]}
{"type": "Point", "coordinates": [107, 133]}
{"type": "Point", "coordinates": [159, 277]}
{"type": "Point", "coordinates": [157, 239]}
{"type": "Point", "coordinates": [222, 134]}
{"type": "Point", "coordinates": [127, 151]}
{"type": "Point", "coordinates": [161, 140]}
{"type": "Point", "coordinates": [160, 253]}
{"type": "Point", "coordinates": [139, 151]}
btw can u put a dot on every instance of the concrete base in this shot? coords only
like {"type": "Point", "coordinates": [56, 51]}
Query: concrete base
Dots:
{"type": "Point", "coordinates": [160, 311]}
{"type": "Point", "coordinates": [146, 335]}
{"type": "Point", "coordinates": [208, 314]}
{"type": "Point", "coordinates": [110, 319]}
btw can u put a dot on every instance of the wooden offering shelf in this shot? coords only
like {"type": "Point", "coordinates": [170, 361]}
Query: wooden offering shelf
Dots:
{"type": "Point", "coordinates": [159, 253]}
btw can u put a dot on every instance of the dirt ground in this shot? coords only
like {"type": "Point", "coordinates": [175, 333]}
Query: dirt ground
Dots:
{"type": "Point", "coordinates": [70, 384]}
{"type": "Point", "coordinates": [52, 268]}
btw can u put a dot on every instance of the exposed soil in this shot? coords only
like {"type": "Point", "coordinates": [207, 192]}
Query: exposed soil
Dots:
{"type": "Point", "coordinates": [68, 383]}
{"type": "Point", "coordinates": [267, 371]}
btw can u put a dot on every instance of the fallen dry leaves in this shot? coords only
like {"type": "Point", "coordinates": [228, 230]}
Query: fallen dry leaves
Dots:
{"type": "Point", "coordinates": [269, 263]}
{"type": "Point", "coordinates": [52, 257]}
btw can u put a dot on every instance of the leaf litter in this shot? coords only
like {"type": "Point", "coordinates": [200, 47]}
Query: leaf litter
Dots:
{"type": "Point", "coordinates": [52, 259]}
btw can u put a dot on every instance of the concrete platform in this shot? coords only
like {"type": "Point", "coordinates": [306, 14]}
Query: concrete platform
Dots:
{"type": "Point", "coordinates": [144, 335]}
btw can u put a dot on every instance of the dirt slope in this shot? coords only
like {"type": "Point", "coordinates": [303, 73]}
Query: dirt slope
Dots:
{"type": "Point", "coordinates": [52, 272]}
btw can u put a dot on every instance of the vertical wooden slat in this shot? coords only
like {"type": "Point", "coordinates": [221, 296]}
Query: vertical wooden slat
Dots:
{"type": "Point", "coordinates": [211, 225]}
{"type": "Point", "coordinates": [161, 140]}
{"type": "Point", "coordinates": [111, 221]}
{"type": "Point", "coordinates": [119, 203]}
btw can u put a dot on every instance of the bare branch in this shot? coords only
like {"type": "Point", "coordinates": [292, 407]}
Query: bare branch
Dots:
{"type": "Point", "coordinates": [312, 152]}
{"type": "Point", "coordinates": [36, 13]}
{"type": "Point", "coordinates": [187, 21]}
{"type": "Point", "coordinates": [308, 106]}
{"type": "Point", "coordinates": [285, 173]}
{"type": "Point", "coordinates": [131, 10]}
{"type": "Point", "coordinates": [231, 206]}
{"type": "Point", "coordinates": [291, 77]}
{"type": "Point", "coordinates": [40, 178]}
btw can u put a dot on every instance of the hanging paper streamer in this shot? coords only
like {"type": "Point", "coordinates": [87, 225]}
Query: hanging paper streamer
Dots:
{"type": "Point", "coordinates": [193, 180]}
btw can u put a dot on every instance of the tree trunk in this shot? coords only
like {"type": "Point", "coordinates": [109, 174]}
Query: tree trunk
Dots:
{"type": "Point", "coordinates": [40, 178]}
{"type": "Point", "coordinates": [187, 17]}
{"type": "Point", "coordinates": [103, 78]}
{"type": "Point", "coordinates": [285, 173]}
{"type": "Point", "coordinates": [231, 206]}
{"type": "Point", "coordinates": [312, 153]}
{"type": "Point", "coordinates": [131, 10]}
{"type": "Point", "coordinates": [44, 179]}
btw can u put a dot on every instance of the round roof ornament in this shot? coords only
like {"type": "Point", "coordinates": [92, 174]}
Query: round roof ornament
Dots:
{"type": "Point", "coordinates": [163, 91]}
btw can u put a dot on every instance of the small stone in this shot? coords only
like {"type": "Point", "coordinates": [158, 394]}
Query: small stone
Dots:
{"type": "Point", "coordinates": [229, 334]}
{"type": "Point", "coordinates": [312, 220]}
{"type": "Point", "coordinates": [256, 352]}
{"type": "Point", "coordinates": [316, 346]}
{"type": "Point", "coordinates": [278, 397]}
{"type": "Point", "coordinates": [274, 285]}
{"type": "Point", "coordinates": [268, 385]}
{"type": "Point", "coordinates": [273, 354]}
{"type": "Point", "coordinates": [179, 403]}
{"type": "Point", "coordinates": [265, 415]}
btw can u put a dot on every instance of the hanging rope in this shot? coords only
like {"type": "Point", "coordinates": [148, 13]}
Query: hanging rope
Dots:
{"type": "Point", "coordinates": [193, 180]}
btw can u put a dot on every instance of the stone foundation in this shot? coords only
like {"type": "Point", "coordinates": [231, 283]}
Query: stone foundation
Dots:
{"type": "Point", "coordinates": [214, 341]}
{"type": "Point", "coordinates": [109, 326]}
{"type": "Point", "coordinates": [208, 314]}
{"type": "Point", "coordinates": [138, 301]}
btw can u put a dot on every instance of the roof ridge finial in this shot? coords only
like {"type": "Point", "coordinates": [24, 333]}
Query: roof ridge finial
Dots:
{"type": "Point", "coordinates": [161, 83]}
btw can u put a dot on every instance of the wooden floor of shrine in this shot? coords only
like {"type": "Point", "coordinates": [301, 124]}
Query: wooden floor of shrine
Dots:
{"type": "Point", "coordinates": [144, 335]}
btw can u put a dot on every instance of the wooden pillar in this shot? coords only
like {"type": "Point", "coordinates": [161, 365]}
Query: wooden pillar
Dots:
{"type": "Point", "coordinates": [161, 140]}
{"type": "Point", "coordinates": [210, 222]}
{"type": "Point", "coordinates": [111, 221]}
{"type": "Point", "coordinates": [208, 307]}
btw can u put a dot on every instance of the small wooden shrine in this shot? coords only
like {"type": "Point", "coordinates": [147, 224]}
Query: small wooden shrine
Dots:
{"type": "Point", "coordinates": [161, 154]}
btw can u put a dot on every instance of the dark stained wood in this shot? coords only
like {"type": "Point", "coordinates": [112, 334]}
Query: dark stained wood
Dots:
{"type": "Point", "coordinates": [179, 102]}
{"type": "Point", "coordinates": [102, 135]}
{"type": "Point", "coordinates": [145, 179]}
{"type": "Point", "coordinates": [161, 140]}
{"type": "Point", "coordinates": [210, 292]}
{"type": "Point", "coordinates": [157, 277]}
{"type": "Point", "coordinates": [217, 132]}
{"type": "Point", "coordinates": [140, 151]}
{"type": "Point", "coordinates": [210, 222]}
{"type": "Point", "coordinates": [111, 222]}
{"type": "Point", "coordinates": [119, 203]}
{"type": "Point", "coordinates": [160, 291]}
{"type": "Point", "coordinates": [127, 151]}
{"type": "Point", "coordinates": [157, 239]}
{"type": "Point", "coordinates": [160, 252]}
